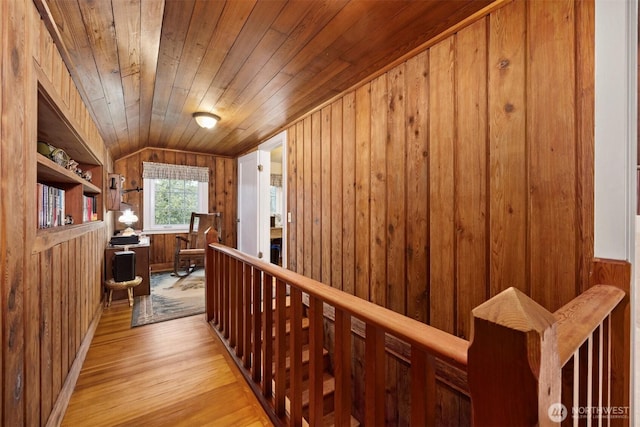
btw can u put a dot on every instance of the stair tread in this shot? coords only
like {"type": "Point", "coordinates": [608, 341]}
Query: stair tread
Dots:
{"type": "Point", "coordinates": [305, 325]}
{"type": "Point", "coordinates": [330, 420]}
{"type": "Point", "coordinates": [328, 387]}
{"type": "Point", "coordinates": [306, 355]}
{"type": "Point", "coordinates": [287, 302]}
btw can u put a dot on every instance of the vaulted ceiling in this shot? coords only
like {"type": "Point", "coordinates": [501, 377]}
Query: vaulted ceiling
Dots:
{"type": "Point", "coordinates": [145, 66]}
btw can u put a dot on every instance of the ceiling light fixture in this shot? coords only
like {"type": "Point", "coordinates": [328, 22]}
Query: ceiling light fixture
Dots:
{"type": "Point", "coordinates": [206, 120]}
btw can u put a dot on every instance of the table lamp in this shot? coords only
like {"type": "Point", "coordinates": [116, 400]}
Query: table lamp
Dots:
{"type": "Point", "coordinates": [128, 218]}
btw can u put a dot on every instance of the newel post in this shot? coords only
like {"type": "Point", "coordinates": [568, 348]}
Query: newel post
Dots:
{"type": "Point", "coordinates": [514, 372]}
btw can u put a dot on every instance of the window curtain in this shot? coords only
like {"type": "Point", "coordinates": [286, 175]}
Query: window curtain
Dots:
{"type": "Point", "coordinates": [152, 170]}
{"type": "Point", "coordinates": [276, 180]}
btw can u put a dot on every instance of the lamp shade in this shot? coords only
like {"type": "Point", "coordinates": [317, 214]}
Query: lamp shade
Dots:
{"type": "Point", "coordinates": [128, 217]}
{"type": "Point", "coordinates": [206, 120]}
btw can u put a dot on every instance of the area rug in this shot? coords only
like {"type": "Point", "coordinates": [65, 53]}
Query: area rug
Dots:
{"type": "Point", "coordinates": [171, 297]}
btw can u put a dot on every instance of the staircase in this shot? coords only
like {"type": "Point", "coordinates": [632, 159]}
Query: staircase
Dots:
{"type": "Point", "coordinates": [328, 379]}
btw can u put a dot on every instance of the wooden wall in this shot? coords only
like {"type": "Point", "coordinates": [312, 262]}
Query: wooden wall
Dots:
{"type": "Point", "coordinates": [222, 194]}
{"type": "Point", "coordinates": [50, 288]}
{"type": "Point", "coordinates": [457, 173]}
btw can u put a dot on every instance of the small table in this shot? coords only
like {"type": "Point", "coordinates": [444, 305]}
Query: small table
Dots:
{"type": "Point", "coordinates": [112, 285]}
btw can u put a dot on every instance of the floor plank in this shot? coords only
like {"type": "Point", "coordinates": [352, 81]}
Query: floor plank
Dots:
{"type": "Point", "coordinates": [173, 373]}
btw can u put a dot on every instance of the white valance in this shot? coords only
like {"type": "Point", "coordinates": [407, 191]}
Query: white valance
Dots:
{"type": "Point", "coordinates": [152, 170]}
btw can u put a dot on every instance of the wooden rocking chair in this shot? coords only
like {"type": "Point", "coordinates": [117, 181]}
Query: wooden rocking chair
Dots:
{"type": "Point", "coordinates": [189, 251]}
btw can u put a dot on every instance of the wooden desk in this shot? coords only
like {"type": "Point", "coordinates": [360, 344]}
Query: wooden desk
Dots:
{"type": "Point", "coordinates": [142, 268]}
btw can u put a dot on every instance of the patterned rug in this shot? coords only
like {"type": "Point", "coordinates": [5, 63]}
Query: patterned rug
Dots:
{"type": "Point", "coordinates": [171, 297]}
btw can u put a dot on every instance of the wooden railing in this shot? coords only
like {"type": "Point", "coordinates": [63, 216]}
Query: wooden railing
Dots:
{"type": "Point", "coordinates": [236, 284]}
{"type": "Point", "coordinates": [525, 366]}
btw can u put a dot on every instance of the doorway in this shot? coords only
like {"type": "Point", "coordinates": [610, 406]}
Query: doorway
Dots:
{"type": "Point", "coordinates": [277, 197]}
{"type": "Point", "coordinates": [262, 201]}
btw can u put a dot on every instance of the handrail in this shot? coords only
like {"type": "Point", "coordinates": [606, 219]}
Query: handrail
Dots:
{"type": "Point", "coordinates": [577, 320]}
{"type": "Point", "coordinates": [440, 344]}
{"type": "Point", "coordinates": [278, 340]}
{"type": "Point", "coordinates": [518, 354]}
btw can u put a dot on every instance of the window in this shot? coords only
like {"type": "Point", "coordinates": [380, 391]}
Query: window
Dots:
{"type": "Point", "coordinates": [171, 193]}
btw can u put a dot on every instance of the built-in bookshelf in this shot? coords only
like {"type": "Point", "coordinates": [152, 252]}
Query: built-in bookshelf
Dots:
{"type": "Point", "coordinates": [68, 194]}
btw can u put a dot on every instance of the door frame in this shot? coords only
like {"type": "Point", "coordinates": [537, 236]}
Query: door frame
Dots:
{"type": "Point", "coordinates": [269, 145]}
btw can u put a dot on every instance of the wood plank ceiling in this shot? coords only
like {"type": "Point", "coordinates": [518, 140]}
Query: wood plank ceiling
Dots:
{"type": "Point", "coordinates": [144, 66]}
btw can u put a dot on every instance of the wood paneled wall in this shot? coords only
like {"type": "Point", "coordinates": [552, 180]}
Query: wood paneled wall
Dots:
{"type": "Point", "coordinates": [457, 173]}
{"type": "Point", "coordinates": [49, 292]}
{"type": "Point", "coordinates": [462, 171]}
{"type": "Point", "coordinates": [222, 194]}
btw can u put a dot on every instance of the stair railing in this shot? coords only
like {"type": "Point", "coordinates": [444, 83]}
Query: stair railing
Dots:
{"type": "Point", "coordinates": [236, 307]}
{"type": "Point", "coordinates": [525, 365]}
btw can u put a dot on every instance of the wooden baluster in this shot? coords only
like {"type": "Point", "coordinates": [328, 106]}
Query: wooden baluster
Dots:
{"type": "Point", "coordinates": [280, 347]}
{"type": "Point", "coordinates": [584, 370]}
{"type": "Point", "coordinates": [316, 368]}
{"type": "Point", "coordinates": [606, 363]}
{"type": "Point", "coordinates": [374, 376]}
{"type": "Point", "coordinates": [219, 284]}
{"type": "Point", "coordinates": [600, 369]}
{"type": "Point", "coordinates": [209, 283]}
{"type": "Point", "coordinates": [342, 368]}
{"type": "Point", "coordinates": [589, 376]}
{"type": "Point", "coordinates": [510, 333]}
{"type": "Point", "coordinates": [256, 296]}
{"type": "Point", "coordinates": [239, 309]}
{"type": "Point", "coordinates": [295, 356]}
{"type": "Point", "coordinates": [576, 386]}
{"type": "Point", "coordinates": [226, 278]}
{"type": "Point", "coordinates": [267, 335]}
{"type": "Point", "coordinates": [246, 332]}
{"type": "Point", "coordinates": [230, 331]}
{"type": "Point", "coordinates": [423, 388]}
{"type": "Point", "coordinates": [209, 273]}
{"type": "Point", "coordinates": [216, 286]}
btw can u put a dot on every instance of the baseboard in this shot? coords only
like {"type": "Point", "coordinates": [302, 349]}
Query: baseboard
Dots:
{"type": "Point", "coordinates": [62, 402]}
{"type": "Point", "coordinates": [156, 268]}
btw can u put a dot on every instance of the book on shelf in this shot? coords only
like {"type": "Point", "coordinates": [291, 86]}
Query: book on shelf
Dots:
{"type": "Point", "coordinates": [51, 206]}
{"type": "Point", "coordinates": [89, 208]}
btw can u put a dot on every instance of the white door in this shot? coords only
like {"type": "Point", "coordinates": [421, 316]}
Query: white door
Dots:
{"type": "Point", "coordinates": [253, 181]}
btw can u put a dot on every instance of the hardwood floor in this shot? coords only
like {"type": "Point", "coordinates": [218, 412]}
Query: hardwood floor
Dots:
{"type": "Point", "coordinates": [173, 373]}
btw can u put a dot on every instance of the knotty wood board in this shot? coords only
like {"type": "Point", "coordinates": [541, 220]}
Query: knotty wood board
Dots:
{"type": "Point", "coordinates": [441, 194]}
{"type": "Point", "coordinates": [507, 150]}
{"type": "Point", "coordinates": [551, 135]}
{"type": "Point", "coordinates": [316, 196]}
{"type": "Point", "coordinates": [417, 220]}
{"type": "Point", "coordinates": [378, 194]}
{"type": "Point", "coordinates": [347, 122]}
{"type": "Point", "coordinates": [363, 186]}
{"type": "Point", "coordinates": [471, 196]}
{"type": "Point", "coordinates": [395, 230]}
{"type": "Point", "coordinates": [335, 192]}
{"type": "Point", "coordinates": [326, 202]}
